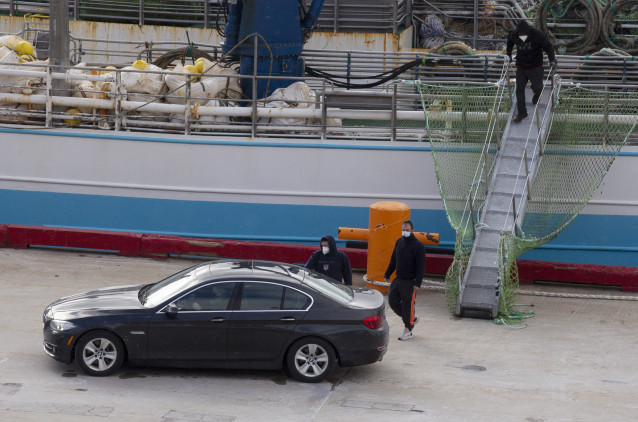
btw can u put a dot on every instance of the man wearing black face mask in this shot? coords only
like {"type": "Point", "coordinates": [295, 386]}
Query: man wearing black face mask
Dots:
{"type": "Point", "coordinates": [530, 44]}
{"type": "Point", "coordinates": [408, 259]}
{"type": "Point", "coordinates": [331, 262]}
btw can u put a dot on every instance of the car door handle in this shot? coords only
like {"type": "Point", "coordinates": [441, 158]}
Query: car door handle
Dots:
{"type": "Point", "coordinates": [218, 319]}
{"type": "Point", "coordinates": [288, 318]}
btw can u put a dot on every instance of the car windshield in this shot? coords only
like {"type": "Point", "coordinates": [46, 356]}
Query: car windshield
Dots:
{"type": "Point", "coordinates": [158, 293]}
{"type": "Point", "coordinates": [328, 287]}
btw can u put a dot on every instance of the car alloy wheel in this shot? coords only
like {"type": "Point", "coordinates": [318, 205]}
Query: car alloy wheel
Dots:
{"type": "Point", "coordinates": [99, 353]}
{"type": "Point", "coordinates": [311, 360]}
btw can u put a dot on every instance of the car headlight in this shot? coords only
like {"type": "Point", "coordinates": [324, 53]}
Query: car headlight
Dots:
{"type": "Point", "coordinates": [48, 315]}
{"type": "Point", "coordinates": [57, 325]}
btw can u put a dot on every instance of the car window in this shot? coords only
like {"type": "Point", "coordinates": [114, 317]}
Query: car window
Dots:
{"type": "Point", "coordinates": [261, 297]}
{"type": "Point", "coordinates": [165, 289]}
{"type": "Point", "coordinates": [213, 297]}
{"type": "Point", "coordinates": [295, 300]}
{"type": "Point", "coordinates": [328, 287]}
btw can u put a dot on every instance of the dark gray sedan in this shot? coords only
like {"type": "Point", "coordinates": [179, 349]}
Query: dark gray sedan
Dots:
{"type": "Point", "coordinates": [222, 314]}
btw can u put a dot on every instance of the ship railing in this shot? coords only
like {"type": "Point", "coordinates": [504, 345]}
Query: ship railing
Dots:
{"type": "Point", "coordinates": [142, 12]}
{"type": "Point", "coordinates": [31, 96]}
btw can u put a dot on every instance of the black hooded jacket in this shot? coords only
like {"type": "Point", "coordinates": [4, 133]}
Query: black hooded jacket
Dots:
{"type": "Point", "coordinates": [529, 52]}
{"type": "Point", "coordinates": [334, 264]}
{"type": "Point", "coordinates": [408, 259]}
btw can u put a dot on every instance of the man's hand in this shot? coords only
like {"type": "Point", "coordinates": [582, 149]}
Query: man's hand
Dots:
{"type": "Point", "coordinates": [416, 288]}
{"type": "Point", "coordinates": [552, 64]}
{"type": "Point", "coordinates": [387, 280]}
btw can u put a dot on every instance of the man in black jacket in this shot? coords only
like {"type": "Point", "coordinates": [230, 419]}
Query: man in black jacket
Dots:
{"type": "Point", "coordinates": [530, 44]}
{"type": "Point", "coordinates": [331, 262]}
{"type": "Point", "coordinates": [408, 258]}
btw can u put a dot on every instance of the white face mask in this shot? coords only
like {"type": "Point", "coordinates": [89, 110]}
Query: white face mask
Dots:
{"type": "Point", "coordinates": [406, 233]}
{"type": "Point", "coordinates": [523, 37]}
{"type": "Point", "coordinates": [325, 250]}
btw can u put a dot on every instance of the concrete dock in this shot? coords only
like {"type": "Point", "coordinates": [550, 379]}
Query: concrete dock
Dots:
{"type": "Point", "coordinates": [577, 360]}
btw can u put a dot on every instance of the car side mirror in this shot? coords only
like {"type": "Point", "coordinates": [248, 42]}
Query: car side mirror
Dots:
{"type": "Point", "coordinates": [171, 310]}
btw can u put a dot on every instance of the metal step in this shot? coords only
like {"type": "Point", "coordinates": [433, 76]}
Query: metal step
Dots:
{"type": "Point", "coordinates": [480, 290]}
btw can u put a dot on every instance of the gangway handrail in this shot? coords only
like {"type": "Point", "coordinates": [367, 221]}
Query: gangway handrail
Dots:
{"type": "Point", "coordinates": [539, 139]}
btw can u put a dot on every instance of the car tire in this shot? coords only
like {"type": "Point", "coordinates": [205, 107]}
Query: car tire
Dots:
{"type": "Point", "coordinates": [311, 359]}
{"type": "Point", "coordinates": [99, 353]}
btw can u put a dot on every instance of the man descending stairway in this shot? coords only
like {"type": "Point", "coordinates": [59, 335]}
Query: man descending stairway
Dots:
{"type": "Point", "coordinates": [530, 44]}
{"type": "Point", "coordinates": [503, 211]}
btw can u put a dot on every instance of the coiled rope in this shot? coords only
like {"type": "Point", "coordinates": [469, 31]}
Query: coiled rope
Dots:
{"type": "Point", "coordinates": [609, 35]}
{"type": "Point", "coordinates": [552, 10]}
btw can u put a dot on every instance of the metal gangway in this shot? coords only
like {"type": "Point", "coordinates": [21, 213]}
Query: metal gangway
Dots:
{"type": "Point", "coordinates": [510, 180]}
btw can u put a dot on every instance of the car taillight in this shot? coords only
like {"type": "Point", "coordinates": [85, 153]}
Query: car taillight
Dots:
{"type": "Point", "coordinates": [373, 322]}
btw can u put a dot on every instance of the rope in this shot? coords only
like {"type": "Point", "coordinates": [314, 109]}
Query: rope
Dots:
{"type": "Point", "coordinates": [440, 286]}
{"type": "Point", "coordinates": [578, 296]}
{"type": "Point", "coordinates": [583, 43]}
{"type": "Point", "coordinates": [609, 35]}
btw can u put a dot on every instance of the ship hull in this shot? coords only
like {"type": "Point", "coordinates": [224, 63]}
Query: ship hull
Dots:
{"type": "Point", "coordinates": [276, 190]}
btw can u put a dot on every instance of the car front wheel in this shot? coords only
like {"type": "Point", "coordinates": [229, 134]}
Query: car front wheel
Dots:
{"type": "Point", "coordinates": [99, 353]}
{"type": "Point", "coordinates": [311, 359]}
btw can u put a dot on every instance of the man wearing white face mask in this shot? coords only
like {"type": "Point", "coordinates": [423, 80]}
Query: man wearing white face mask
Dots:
{"type": "Point", "coordinates": [331, 262]}
{"type": "Point", "coordinates": [530, 44]}
{"type": "Point", "coordinates": [408, 259]}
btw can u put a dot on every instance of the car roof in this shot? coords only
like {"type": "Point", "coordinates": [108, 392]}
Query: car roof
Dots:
{"type": "Point", "coordinates": [254, 269]}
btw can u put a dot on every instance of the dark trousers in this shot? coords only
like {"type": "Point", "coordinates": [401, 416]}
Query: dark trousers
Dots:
{"type": "Point", "coordinates": [401, 299]}
{"type": "Point", "coordinates": [535, 76]}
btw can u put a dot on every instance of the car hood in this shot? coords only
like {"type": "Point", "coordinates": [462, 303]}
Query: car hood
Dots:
{"type": "Point", "coordinates": [100, 300]}
{"type": "Point", "coordinates": [367, 298]}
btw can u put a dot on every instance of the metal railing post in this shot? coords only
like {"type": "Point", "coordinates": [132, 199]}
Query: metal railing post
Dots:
{"type": "Point", "coordinates": [254, 125]}
{"type": "Point", "coordinates": [49, 102]}
{"type": "Point", "coordinates": [487, 183]}
{"type": "Point", "coordinates": [324, 110]}
{"type": "Point", "coordinates": [395, 14]}
{"type": "Point", "coordinates": [206, 14]}
{"type": "Point", "coordinates": [497, 126]}
{"type": "Point", "coordinates": [393, 124]}
{"type": "Point", "coordinates": [141, 13]}
{"type": "Point", "coordinates": [336, 16]}
{"type": "Point", "coordinates": [526, 173]}
{"type": "Point", "coordinates": [514, 215]}
{"type": "Point", "coordinates": [538, 120]}
{"type": "Point", "coordinates": [348, 69]}
{"type": "Point", "coordinates": [472, 217]}
{"type": "Point", "coordinates": [187, 106]}
{"type": "Point", "coordinates": [76, 10]}
{"type": "Point", "coordinates": [118, 101]}
{"type": "Point", "coordinates": [475, 34]}
{"type": "Point", "coordinates": [606, 118]}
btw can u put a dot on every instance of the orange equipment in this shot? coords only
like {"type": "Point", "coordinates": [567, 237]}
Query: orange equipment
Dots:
{"type": "Point", "coordinates": [384, 229]}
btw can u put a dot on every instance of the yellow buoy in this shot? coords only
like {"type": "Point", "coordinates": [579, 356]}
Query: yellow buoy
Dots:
{"type": "Point", "coordinates": [73, 112]}
{"type": "Point", "coordinates": [191, 68]}
{"type": "Point", "coordinates": [140, 64]}
{"type": "Point", "coordinates": [24, 47]}
{"type": "Point", "coordinates": [199, 66]}
{"type": "Point", "coordinates": [111, 68]}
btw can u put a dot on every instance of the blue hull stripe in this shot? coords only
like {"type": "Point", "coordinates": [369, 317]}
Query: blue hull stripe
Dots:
{"type": "Point", "coordinates": [590, 239]}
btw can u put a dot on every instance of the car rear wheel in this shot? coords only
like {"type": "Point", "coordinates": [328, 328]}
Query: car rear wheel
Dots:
{"type": "Point", "coordinates": [99, 353]}
{"type": "Point", "coordinates": [311, 359]}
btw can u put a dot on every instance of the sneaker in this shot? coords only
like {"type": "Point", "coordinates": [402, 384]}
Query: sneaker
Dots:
{"type": "Point", "coordinates": [535, 98]}
{"type": "Point", "coordinates": [519, 118]}
{"type": "Point", "coordinates": [416, 319]}
{"type": "Point", "coordinates": [407, 335]}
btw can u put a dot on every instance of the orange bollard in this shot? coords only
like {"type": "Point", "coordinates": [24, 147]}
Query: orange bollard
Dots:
{"type": "Point", "coordinates": [385, 223]}
{"type": "Point", "coordinates": [385, 228]}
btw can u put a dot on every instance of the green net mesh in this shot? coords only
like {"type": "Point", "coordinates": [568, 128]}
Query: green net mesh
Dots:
{"type": "Point", "coordinates": [587, 130]}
